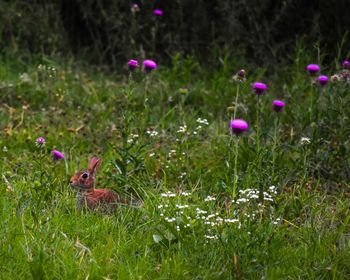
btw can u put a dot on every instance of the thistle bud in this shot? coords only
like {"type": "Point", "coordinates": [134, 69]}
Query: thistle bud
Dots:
{"type": "Point", "coordinates": [183, 91]}
{"type": "Point", "coordinates": [231, 109]}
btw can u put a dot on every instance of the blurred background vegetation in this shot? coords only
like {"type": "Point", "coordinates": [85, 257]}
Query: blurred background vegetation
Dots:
{"type": "Point", "coordinates": [109, 32]}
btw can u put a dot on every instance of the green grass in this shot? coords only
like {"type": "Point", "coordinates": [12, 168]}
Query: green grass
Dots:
{"type": "Point", "coordinates": [302, 234]}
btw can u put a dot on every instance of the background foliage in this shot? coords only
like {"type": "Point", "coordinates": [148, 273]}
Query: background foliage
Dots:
{"type": "Point", "coordinates": [109, 32]}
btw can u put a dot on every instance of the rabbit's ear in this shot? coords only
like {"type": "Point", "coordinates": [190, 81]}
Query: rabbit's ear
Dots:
{"type": "Point", "coordinates": [94, 164]}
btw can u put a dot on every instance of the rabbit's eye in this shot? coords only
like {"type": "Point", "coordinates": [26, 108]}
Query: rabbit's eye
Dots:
{"type": "Point", "coordinates": [85, 175]}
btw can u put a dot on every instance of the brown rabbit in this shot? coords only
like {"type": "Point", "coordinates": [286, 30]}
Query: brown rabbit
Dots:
{"type": "Point", "coordinates": [95, 199]}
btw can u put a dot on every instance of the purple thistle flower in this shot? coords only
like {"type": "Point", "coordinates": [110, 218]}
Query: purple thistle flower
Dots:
{"type": "Point", "coordinates": [346, 64]}
{"type": "Point", "coordinates": [241, 73]}
{"type": "Point", "coordinates": [135, 7]}
{"type": "Point", "coordinates": [158, 12]}
{"type": "Point", "coordinates": [335, 78]}
{"type": "Point", "coordinates": [56, 155]}
{"type": "Point", "coordinates": [323, 80]}
{"type": "Point", "coordinates": [259, 88]}
{"type": "Point", "coordinates": [278, 105]}
{"type": "Point", "coordinates": [149, 65]}
{"type": "Point", "coordinates": [345, 75]}
{"type": "Point", "coordinates": [40, 142]}
{"type": "Point", "coordinates": [313, 69]}
{"type": "Point", "coordinates": [133, 64]}
{"type": "Point", "coordinates": [240, 76]}
{"type": "Point", "coordinates": [238, 126]}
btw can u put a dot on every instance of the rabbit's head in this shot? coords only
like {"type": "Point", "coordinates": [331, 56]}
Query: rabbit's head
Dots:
{"type": "Point", "coordinates": [85, 180]}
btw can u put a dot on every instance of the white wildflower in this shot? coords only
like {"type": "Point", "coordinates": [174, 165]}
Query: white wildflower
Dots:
{"type": "Point", "coordinates": [179, 206]}
{"type": "Point", "coordinates": [209, 198]}
{"type": "Point", "coordinates": [305, 141]}
{"type": "Point", "coordinates": [182, 129]}
{"type": "Point", "coordinates": [185, 194]}
{"type": "Point", "coordinates": [230, 220]}
{"type": "Point", "coordinates": [133, 138]}
{"type": "Point", "coordinates": [211, 236]}
{"type": "Point", "coordinates": [202, 121]}
{"type": "Point", "coordinates": [152, 133]}
{"type": "Point", "coordinates": [169, 220]}
{"type": "Point", "coordinates": [200, 211]}
{"type": "Point", "coordinates": [167, 194]}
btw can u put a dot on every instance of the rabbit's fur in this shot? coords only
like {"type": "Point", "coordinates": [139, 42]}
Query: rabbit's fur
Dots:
{"type": "Point", "coordinates": [87, 196]}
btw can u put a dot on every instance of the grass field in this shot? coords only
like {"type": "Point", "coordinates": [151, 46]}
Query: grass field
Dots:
{"type": "Point", "coordinates": [272, 203]}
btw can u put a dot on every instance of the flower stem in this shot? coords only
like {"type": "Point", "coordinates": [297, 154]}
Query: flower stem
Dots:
{"type": "Point", "coordinates": [235, 178]}
{"type": "Point", "coordinates": [145, 97]}
{"type": "Point", "coordinates": [236, 102]}
{"type": "Point", "coordinates": [275, 142]}
{"type": "Point", "coordinates": [259, 168]}
{"type": "Point", "coordinates": [258, 127]}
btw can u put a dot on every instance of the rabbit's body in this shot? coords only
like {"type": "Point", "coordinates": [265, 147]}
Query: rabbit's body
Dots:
{"type": "Point", "coordinates": [88, 196]}
{"type": "Point", "coordinates": [97, 199]}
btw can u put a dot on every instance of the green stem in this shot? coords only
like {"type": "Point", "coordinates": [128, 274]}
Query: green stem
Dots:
{"type": "Point", "coordinates": [258, 126]}
{"type": "Point", "coordinates": [145, 94]}
{"type": "Point", "coordinates": [275, 140]}
{"type": "Point", "coordinates": [259, 167]}
{"type": "Point", "coordinates": [182, 108]}
{"type": "Point", "coordinates": [236, 101]}
{"type": "Point", "coordinates": [305, 166]}
{"type": "Point", "coordinates": [235, 179]}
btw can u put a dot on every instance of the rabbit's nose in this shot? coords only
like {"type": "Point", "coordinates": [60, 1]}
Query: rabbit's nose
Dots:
{"type": "Point", "coordinates": [71, 182]}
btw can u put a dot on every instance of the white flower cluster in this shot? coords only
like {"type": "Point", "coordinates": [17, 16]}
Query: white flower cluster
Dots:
{"type": "Point", "coordinates": [180, 206]}
{"type": "Point", "coordinates": [202, 121]}
{"type": "Point", "coordinates": [177, 210]}
{"type": "Point", "coordinates": [50, 71]}
{"type": "Point", "coordinates": [133, 139]}
{"type": "Point", "coordinates": [182, 175]}
{"type": "Point", "coordinates": [199, 127]}
{"type": "Point", "coordinates": [200, 211]}
{"type": "Point", "coordinates": [251, 194]}
{"type": "Point", "coordinates": [180, 211]}
{"type": "Point", "coordinates": [276, 222]}
{"type": "Point", "coordinates": [211, 237]}
{"type": "Point", "coordinates": [169, 220]}
{"type": "Point", "coordinates": [152, 133]}
{"type": "Point", "coordinates": [209, 198]}
{"type": "Point", "coordinates": [212, 219]}
{"type": "Point", "coordinates": [168, 194]}
{"type": "Point", "coordinates": [182, 129]}
{"type": "Point", "coordinates": [252, 204]}
{"type": "Point", "coordinates": [305, 141]}
{"type": "Point", "coordinates": [273, 189]}
{"type": "Point", "coordinates": [185, 194]}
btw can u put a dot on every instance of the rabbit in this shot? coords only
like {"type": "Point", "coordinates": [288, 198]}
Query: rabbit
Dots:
{"type": "Point", "coordinates": [87, 196]}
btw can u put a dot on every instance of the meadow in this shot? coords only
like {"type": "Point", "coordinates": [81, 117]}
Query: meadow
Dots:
{"type": "Point", "coordinates": [269, 202]}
